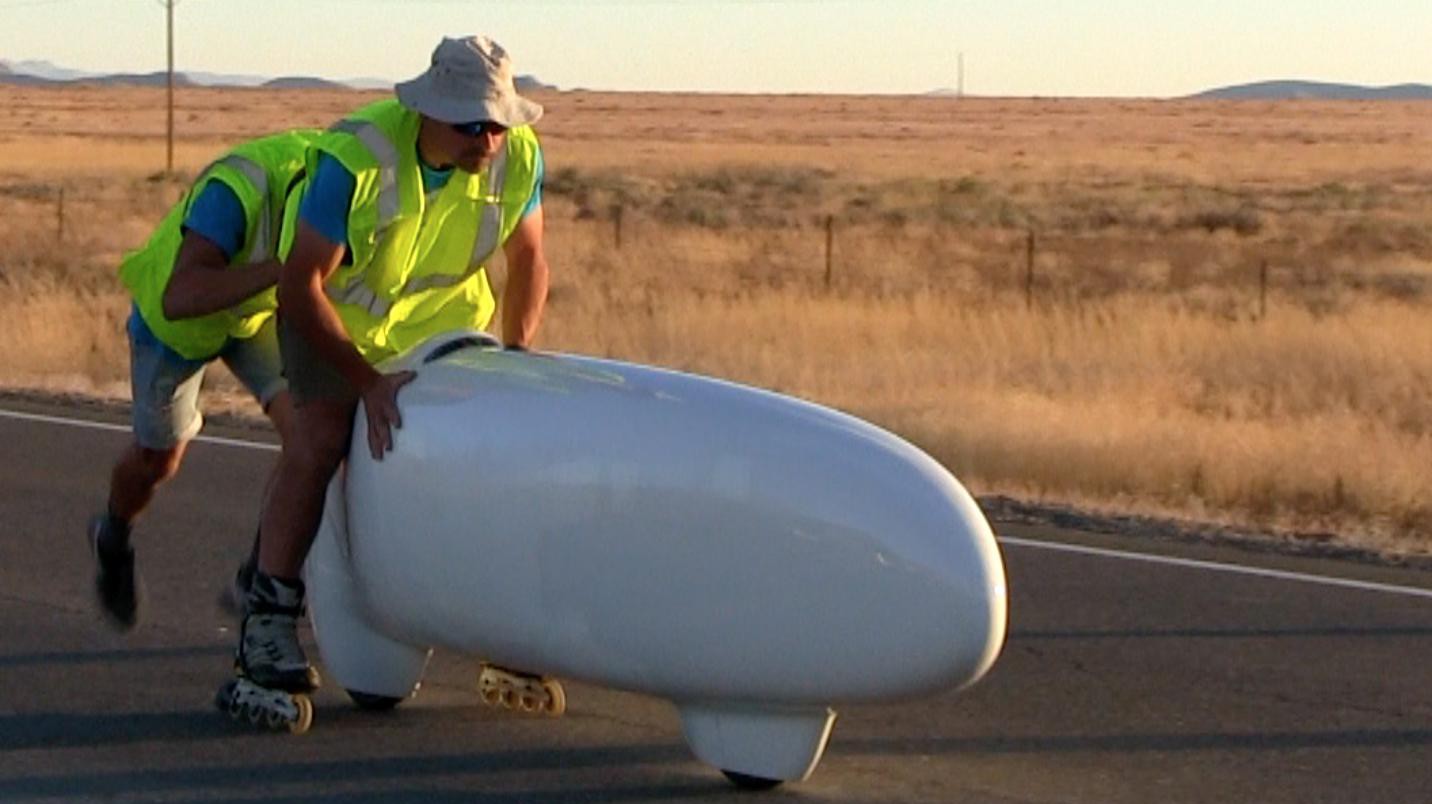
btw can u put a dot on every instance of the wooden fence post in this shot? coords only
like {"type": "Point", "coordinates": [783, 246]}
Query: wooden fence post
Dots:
{"type": "Point", "coordinates": [1262, 290]}
{"type": "Point", "coordinates": [617, 225]}
{"type": "Point", "coordinates": [829, 249]}
{"type": "Point", "coordinates": [1029, 271]}
{"type": "Point", "coordinates": [60, 216]}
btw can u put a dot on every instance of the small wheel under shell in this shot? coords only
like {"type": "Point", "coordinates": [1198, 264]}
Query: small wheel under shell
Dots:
{"type": "Point", "coordinates": [748, 782]}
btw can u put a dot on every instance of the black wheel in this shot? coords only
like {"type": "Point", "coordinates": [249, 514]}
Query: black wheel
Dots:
{"type": "Point", "coordinates": [748, 782]}
{"type": "Point", "coordinates": [373, 703]}
{"type": "Point", "coordinates": [224, 698]}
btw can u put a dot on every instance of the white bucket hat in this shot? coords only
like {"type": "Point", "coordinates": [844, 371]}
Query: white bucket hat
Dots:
{"type": "Point", "coordinates": [470, 80]}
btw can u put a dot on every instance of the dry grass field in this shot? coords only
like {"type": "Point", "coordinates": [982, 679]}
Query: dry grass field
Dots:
{"type": "Point", "coordinates": [1225, 315]}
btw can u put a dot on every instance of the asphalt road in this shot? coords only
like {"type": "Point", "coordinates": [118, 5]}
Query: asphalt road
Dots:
{"type": "Point", "coordinates": [1125, 679]}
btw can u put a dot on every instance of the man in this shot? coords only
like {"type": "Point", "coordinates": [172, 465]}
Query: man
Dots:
{"type": "Point", "coordinates": [405, 202]}
{"type": "Point", "coordinates": [203, 290]}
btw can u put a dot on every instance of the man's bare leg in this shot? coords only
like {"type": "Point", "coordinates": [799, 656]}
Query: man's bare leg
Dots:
{"type": "Point", "coordinates": [269, 651]}
{"type": "Point", "coordinates": [233, 598]}
{"type": "Point", "coordinates": [295, 502]}
{"type": "Point", "coordinates": [136, 475]}
{"type": "Point", "coordinates": [138, 472]}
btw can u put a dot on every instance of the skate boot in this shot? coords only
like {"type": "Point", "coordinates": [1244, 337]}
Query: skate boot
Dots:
{"type": "Point", "coordinates": [523, 692]}
{"type": "Point", "coordinates": [269, 654]}
{"type": "Point", "coordinates": [234, 597]}
{"type": "Point", "coordinates": [273, 675]}
{"type": "Point", "coordinates": [117, 586]}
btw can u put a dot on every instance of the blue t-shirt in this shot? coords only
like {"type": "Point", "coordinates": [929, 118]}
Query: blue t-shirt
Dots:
{"type": "Point", "coordinates": [219, 217]}
{"type": "Point", "coordinates": [325, 203]}
{"type": "Point", "coordinates": [330, 194]}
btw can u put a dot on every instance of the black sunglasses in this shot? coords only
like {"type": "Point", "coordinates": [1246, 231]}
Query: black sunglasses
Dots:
{"type": "Point", "coordinates": [478, 128]}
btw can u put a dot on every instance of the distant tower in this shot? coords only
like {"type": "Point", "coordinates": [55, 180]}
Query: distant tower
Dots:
{"type": "Point", "coordinates": [960, 87]}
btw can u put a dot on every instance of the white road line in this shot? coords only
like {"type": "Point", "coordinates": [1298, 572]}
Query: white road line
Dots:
{"type": "Point", "coordinates": [1366, 586]}
{"type": "Point", "coordinates": [124, 428]}
{"type": "Point", "coordinates": [1282, 575]}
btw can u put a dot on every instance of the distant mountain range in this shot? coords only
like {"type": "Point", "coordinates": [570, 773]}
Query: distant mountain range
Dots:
{"type": "Point", "coordinates": [1293, 90]}
{"type": "Point", "coordinates": [1315, 90]}
{"type": "Point", "coordinates": [1290, 90]}
{"type": "Point", "coordinates": [37, 72]}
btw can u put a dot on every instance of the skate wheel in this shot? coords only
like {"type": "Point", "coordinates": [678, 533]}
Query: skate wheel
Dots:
{"type": "Point", "coordinates": [304, 720]}
{"type": "Point", "coordinates": [224, 698]}
{"type": "Point", "coordinates": [556, 699]}
{"type": "Point", "coordinates": [528, 702]}
{"type": "Point", "coordinates": [487, 687]}
{"type": "Point", "coordinates": [748, 782]}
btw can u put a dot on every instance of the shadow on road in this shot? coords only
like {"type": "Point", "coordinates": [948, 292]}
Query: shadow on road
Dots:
{"type": "Point", "coordinates": [1134, 743]}
{"type": "Point", "coordinates": [401, 778]}
{"type": "Point", "coordinates": [1228, 633]}
{"type": "Point", "coordinates": [111, 656]}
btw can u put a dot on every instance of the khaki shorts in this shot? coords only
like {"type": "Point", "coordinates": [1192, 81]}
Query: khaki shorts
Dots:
{"type": "Point", "coordinates": [311, 378]}
{"type": "Point", "coordinates": [164, 385]}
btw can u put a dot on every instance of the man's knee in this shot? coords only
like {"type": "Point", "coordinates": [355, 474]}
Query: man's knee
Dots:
{"type": "Point", "coordinates": [319, 458]}
{"type": "Point", "coordinates": [160, 464]}
{"type": "Point", "coordinates": [319, 442]}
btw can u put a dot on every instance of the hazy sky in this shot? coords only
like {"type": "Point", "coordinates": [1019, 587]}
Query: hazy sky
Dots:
{"type": "Point", "coordinates": [1011, 47]}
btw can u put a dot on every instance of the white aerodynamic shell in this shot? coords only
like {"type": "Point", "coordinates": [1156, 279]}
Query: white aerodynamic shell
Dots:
{"type": "Point", "coordinates": [752, 557]}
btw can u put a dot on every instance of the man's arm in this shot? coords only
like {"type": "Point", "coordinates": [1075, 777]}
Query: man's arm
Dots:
{"type": "Point", "coordinates": [311, 261]}
{"type": "Point", "coordinates": [203, 283]}
{"type": "Point", "coordinates": [525, 293]}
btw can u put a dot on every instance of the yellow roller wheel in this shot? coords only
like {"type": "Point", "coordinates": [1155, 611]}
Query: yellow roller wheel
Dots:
{"type": "Point", "coordinates": [305, 715]}
{"type": "Point", "coordinates": [556, 698]}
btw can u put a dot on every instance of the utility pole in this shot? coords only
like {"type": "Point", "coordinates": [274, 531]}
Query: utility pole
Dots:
{"type": "Point", "coordinates": [169, 140]}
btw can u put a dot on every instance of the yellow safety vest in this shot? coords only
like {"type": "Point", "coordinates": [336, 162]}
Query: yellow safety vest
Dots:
{"type": "Point", "coordinates": [259, 173]}
{"type": "Point", "coordinates": [418, 263]}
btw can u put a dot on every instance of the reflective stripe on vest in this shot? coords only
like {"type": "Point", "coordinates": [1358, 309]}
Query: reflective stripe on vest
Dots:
{"type": "Point", "coordinates": [491, 226]}
{"type": "Point", "coordinates": [357, 292]}
{"type": "Point", "coordinates": [258, 177]}
{"type": "Point", "coordinates": [382, 150]}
